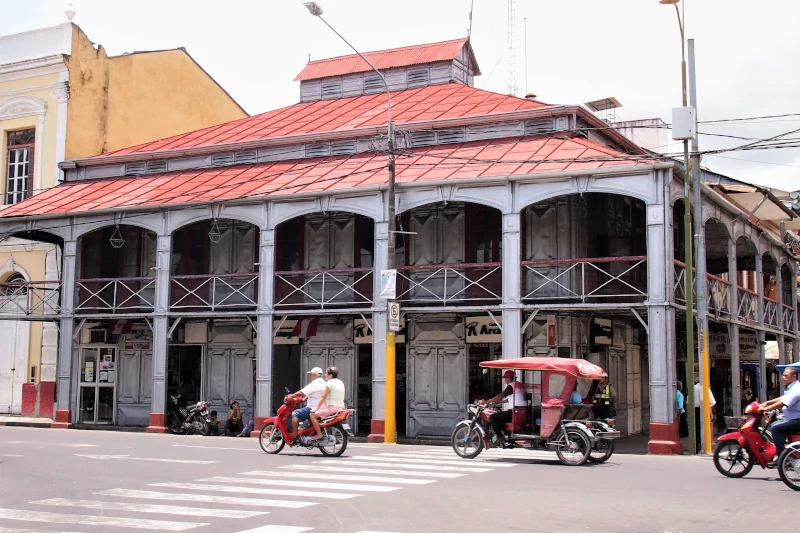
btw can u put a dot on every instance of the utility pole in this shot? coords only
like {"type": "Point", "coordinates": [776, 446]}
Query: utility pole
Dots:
{"type": "Point", "coordinates": [700, 283]}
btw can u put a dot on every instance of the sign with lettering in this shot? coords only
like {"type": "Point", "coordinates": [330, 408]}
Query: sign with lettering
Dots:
{"type": "Point", "coordinates": [484, 329]}
{"type": "Point", "coordinates": [394, 316]}
{"type": "Point", "coordinates": [389, 284]}
{"type": "Point", "coordinates": [719, 347]}
{"type": "Point", "coordinates": [362, 332]}
{"type": "Point", "coordinates": [284, 334]}
{"type": "Point", "coordinates": [602, 333]}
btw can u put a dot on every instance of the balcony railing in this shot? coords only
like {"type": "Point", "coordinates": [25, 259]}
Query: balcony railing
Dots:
{"type": "Point", "coordinates": [771, 317]}
{"type": "Point", "coordinates": [603, 279]}
{"type": "Point", "coordinates": [320, 289]}
{"type": "Point", "coordinates": [450, 284]}
{"type": "Point", "coordinates": [30, 298]}
{"type": "Point", "coordinates": [115, 295]}
{"type": "Point", "coordinates": [787, 319]}
{"type": "Point", "coordinates": [719, 296]}
{"type": "Point", "coordinates": [214, 292]}
{"type": "Point", "coordinates": [748, 305]}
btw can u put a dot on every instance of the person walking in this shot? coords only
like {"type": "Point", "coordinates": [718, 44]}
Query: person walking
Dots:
{"type": "Point", "coordinates": [683, 424]}
{"type": "Point", "coordinates": [605, 400]}
{"type": "Point", "coordinates": [698, 402]}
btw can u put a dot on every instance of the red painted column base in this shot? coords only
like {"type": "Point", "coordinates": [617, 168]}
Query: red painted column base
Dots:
{"type": "Point", "coordinates": [47, 398]}
{"type": "Point", "coordinates": [62, 419]}
{"type": "Point", "coordinates": [376, 431]}
{"type": "Point", "coordinates": [664, 439]}
{"type": "Point", "coordinates": [258, 425]}
{"type": "Point", "coordinates": [158, 423]}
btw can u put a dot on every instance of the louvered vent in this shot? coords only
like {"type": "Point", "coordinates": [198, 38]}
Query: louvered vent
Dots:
{"type": "Point", "coordinates": [537, 127]}
{"type": "Point", "coordinates": [246, 157]}
{"type": "Point", "coordinates": [423, 138]}
{"type": "Point", "coordinates": [373, 83]}
{"type": "Point", "coordinates": [221, 160]}
{"type": "Point", "coordinates": [343, 148]}
{"type": "Point", "coordinates": [318, 150]}
{"type": "Point", "coordinates": [418, 77]}
{"type": "Point", "coordinates": [135, 169]}
{"type": "Point", "coordinates": [156, 167]}
{"type": "Point", "coordinates": [332, 89]}
{"type": "Point", "coordinates": [451, 136]}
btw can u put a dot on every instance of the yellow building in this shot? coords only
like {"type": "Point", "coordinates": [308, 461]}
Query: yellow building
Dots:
{"type": "Point", "coordinates": [62, 97]}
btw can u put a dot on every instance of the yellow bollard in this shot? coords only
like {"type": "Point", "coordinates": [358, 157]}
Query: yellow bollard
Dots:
{"type": "Point", "coordinates": [706, 383]}
{"type": "Point", "coordinates": [389, 422]}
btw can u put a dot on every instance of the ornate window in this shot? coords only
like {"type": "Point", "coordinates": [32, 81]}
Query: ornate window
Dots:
{"type": "Point", "coordinates": [19, 175]}
{"type": "Point", "coordinates": [14, 286]}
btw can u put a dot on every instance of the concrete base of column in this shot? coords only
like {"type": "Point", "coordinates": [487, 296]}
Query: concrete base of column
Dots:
{"type": "Point", "coordinates": [158, 423]}
{"type": "Point", "coordinates": [258, 425]}
{"type": "Point", "coordinates": [664, 439]}
{"type": "Point", "coordinates": [376, 432]}
{"type": "Point", "coordinates": [62, 419]}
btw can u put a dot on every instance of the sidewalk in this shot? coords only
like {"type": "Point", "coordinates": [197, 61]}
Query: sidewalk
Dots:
{"type": "Point", "coordinates": [14, 420]}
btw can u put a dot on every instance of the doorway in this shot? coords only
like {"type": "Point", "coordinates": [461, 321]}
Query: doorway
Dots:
{"type": "Point", "coordinates": [285, 372]}
{"type": "Point", "coordinates": [484, 383]}
{"type": "Point", "coordinates": [185, 372]}
{"type": "Point", "coordinates": [13, 364]}
{"type": "Point", "coordinates": [97, 386]}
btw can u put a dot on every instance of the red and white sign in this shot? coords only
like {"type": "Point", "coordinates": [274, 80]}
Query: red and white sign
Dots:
{"type": "Point", "coordinates": [305, 328]}
{"type": "Point", "coordinates": [551, 330]}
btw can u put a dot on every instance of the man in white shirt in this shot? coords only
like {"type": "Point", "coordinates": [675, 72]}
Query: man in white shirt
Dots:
{"type": "Point", "coordinates": [311, 393]}
{"type": "Point", "coordinates": [790, 404]}
{"type": "Point", "coordinates": [698, 401]}
{"type": "Point", "coordinates": [512, 388]}
{"type": "Point", "coordinates": [332, 398]}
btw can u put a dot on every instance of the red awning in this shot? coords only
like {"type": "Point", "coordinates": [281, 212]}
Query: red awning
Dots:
{"type": "Point", "coordinates": [577, 367]}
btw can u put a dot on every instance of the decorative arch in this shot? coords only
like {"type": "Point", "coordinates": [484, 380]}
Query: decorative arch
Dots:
{"type": "Point", "coordinates": [370, 206]}
{"type": "Point", "coordinates": [139, 222]}
{"type": "Point", "coordinates": [641, 186]}
{"type": "Point", "coordinates": [21, 106]}
{"type": "Point", "coordinates": [10, 268]}
{"type": "Point", "coordinates": [497, 196]}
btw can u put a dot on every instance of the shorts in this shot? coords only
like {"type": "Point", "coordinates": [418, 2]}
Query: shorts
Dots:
{"type": "Point", "coordinates": [302, 414]}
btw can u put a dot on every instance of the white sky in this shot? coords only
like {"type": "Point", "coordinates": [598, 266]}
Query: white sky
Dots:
{"type": "Point", "coordinates": [748, 53]}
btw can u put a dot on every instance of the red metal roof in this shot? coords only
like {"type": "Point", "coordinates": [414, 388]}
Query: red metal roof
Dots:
{"type": "Point", "coordinates": [577, 367]}
{"type": "Point", "coordinates": [383, 59]}
{"type": "Point", "coordinates": [424, 103]}
{"type": "Point", "coordinates": [491, 158]}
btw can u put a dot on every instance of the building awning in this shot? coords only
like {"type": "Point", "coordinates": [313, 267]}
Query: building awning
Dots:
{"type": "Point", "coordinates": [479, 159]}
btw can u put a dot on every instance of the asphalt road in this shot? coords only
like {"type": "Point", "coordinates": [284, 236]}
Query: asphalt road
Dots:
{"type": "Point", "coordinates": [87, 481]}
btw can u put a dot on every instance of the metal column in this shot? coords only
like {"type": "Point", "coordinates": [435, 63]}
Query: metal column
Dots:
{"type": "Point", "coordinates": [63, 416]}
{"type": "Point", "coordinates": [264, 326]}
{"type": "Point", "coordinates": [158, 417]}
{"type": "Point", "coordinates": [512, 292]}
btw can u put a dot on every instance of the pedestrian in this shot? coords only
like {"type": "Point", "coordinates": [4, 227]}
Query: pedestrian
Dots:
{"type": "Point", "coordinates": [248, 428]}
{"type": "Point", "coordinates": [698, 402]}
{"type": "Point", "coordinates": [604, 405]}
{"type": "Point", "coordinates": [215, 423]}
{"type": "Point", "coordinates": [683, 424]}
{"type": "Point", "coordinates": [233, 424]}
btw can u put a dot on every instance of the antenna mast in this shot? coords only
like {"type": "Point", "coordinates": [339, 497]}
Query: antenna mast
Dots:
{"type": "Point", "coordinates": [510, 57]}
{"type": "Point", "coordinates": [471, 7]}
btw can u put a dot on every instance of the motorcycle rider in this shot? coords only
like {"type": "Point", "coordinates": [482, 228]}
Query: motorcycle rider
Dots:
{"type": "Point", "coordinates": [332, 398]}
{"type": "Point", "coordinates": [790, 402]}
{"type": "Point", "coordinates": [311, 393]}
{"type": "Point", "coordinates": [512, 388]}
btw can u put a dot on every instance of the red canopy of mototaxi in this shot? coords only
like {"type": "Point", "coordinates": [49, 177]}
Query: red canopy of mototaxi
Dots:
{"type": "Point", "coordinates": [577, 367]}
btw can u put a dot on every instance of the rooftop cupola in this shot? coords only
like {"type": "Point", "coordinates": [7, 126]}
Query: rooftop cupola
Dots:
{"type": "Point", "coordinates": [404, 68]}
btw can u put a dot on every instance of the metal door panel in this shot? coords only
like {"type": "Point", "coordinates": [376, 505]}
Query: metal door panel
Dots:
{"type": "Point", "coordinates": [316, 243]}
{"type": "Point", "coordinates": [634, 400]}
{"type": "Point", "coordinates": [7, 356]}
{"type": "Point", "coordinates": [128, 376]}
{"type": "Point", "coordinates": [452, 390]}
{"type": "Point", "coordinates": [341, 242]}
{"type": "Point", "coordinates": [344, 360]}
{"type": "Point", "coordinates": [241, 388]}
{"type": "Point", "coordinates": [313, 355]}
{"type": "Point", "coordinates": [146, 377]}
{"type": "Point", "coordinates": [217, 390]}
{"type": "Point", "coordinates": [422, 378]}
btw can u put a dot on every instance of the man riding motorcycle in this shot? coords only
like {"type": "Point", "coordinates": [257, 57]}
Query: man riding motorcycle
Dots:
{"type": "Point", "coordinates": [790, 402]}
{"type": "Point", "coordinates": [512, 388]}
{"type": "Point", "coordinates": [311, 393]}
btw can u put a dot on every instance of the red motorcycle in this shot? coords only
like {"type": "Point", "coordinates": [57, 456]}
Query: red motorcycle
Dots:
{"type": "Point", "coordinates": [277, 430]}
{"type": "Point", "coordinates": [751, 443]}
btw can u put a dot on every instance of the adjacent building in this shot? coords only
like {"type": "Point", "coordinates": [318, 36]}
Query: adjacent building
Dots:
{"type": "Point", "coordinates": [226, 262]}
{"type": "Point", "coordinates": [62, 97]}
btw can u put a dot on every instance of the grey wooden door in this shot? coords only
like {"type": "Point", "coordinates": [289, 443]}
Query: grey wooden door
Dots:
{"type": "Point", "coordinates": [437, 391]}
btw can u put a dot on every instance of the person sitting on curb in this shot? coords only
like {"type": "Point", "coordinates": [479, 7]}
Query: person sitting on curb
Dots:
{"type": "Point", "coordinates": [234, 422]}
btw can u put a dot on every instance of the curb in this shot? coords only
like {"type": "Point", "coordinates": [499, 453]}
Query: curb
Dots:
{"type": "Point", "coordinates": [26, 424]}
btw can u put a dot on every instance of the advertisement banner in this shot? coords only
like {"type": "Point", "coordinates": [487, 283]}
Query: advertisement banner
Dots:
{"type": "Point", "coordinates": [483, 329]}
{"type": "Point", "coordinates": [388, 284]}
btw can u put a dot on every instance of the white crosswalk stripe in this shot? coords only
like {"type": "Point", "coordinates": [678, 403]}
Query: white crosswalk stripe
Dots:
{"type": "Point", "coordinates": [495, 454]}
{"type": "Point", "coordinates": [155, 459]}
{"type": "Point", "coordinates": [278, 529]}
{"type": "Point", "coordinates": [209, 498]}
{"type": "Point", "coordinates": [149, 508]}
{"type": "Point", "coordinates": [425, 459]}
{"type": "Point", "coordinates": [340, 477]}
{"type": "Point", "coordinates": [311, 485]}
{"type": "Point", "coordinates": [259, 490]}
{"type": "Point", "coordinates": [390, 472]}
{"type": "Point", "coordinates": [17, 530]}
{"type": "Point", "coordinates": [364, 461]}
{"type": "Point", "coordinates": [87, 520]}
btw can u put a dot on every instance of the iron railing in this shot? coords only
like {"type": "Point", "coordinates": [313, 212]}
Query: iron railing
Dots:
{"type": "Point", "coordinates": [771, 316]}
{"type": "Point", "coordinates": [748, 305]}
{"type": "Point", "coordinates": [214, 292]}
{"type": "Point", "coordinates": [338, 287]}
{"type": "Point", "coordinates": [612, 279]}
{"type": "Point", "coordinates": [787, 319]}
{"type": "Point", "coordinates": [450, 284]}
{"type": "Point", "coordinates": [115, 295]}
{"type": "Point", "coordinates": [719, 296]}
{"type": "Point", "coordinates": [30, 298]}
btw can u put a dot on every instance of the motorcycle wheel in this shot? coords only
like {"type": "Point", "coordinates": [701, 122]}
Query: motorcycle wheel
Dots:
{"type": "Point", "coordinates": [789, 467]}
{"type": "Point", "coordinates": [577, 452]}
{"type": "Point", "coordinates": [339, 446]}
{"type": "Point", "coordinates": [200, 426]}
{"type": "Point", "coordinates": [601, 450]}
{"type": "Point", "coordinates": [271, 439]}
{"type": "Point", "coordinates": [174, 425]}
{"type": "Point", "coordinates": [732, 460]}
{"type": "Point", "coordinates": [467, 444]}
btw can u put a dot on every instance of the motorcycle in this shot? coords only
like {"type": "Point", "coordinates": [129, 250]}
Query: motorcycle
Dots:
{"type": "Point", "coordinates": [193, 418]}
{"type": "Point", "coordinates": [751, 443]}
{"type": "Point", "coordinates": [277, 431]}
{"type": "Point", "coordinates": [602, 447]}
{"type": "Point", "coordinates": [788, 465]}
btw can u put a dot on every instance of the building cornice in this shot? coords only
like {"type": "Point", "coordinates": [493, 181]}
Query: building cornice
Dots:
{"type": "Point", "coordinates": [33, 67]}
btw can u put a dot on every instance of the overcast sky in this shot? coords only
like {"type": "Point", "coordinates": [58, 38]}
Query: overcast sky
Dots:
{"type": "Point", "coordinates": [748, 53]}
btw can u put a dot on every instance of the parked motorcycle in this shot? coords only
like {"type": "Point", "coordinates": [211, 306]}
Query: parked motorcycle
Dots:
{"type": "Point", "coordinates": [191, 419]}
{"type": "Point", "coordinates": [277, 431]}
{"type": "Point", "coordinates": [749, 444]}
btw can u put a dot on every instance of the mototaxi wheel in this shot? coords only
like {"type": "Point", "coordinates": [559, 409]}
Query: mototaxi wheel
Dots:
{"type": "Point", "coordinates": [467, 444]}
{"type": "Point", "coordinates": [339, 445]}
{"type": "Point", "coordinates": [788, 467]}
{"type": "Point", "coordinates": [271, 439]}
{"type": "Point", "coordinates": [602, 449]}
{"type": "Point", "coordinates": [732, 460]}
{"type": "Point", "coordinates": [577, 451]}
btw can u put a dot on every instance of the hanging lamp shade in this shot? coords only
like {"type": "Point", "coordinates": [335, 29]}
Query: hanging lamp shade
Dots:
{"type": "Point", "coordinates": [116, 239]}
{"type": "Point", "coordinates": [214, 234]}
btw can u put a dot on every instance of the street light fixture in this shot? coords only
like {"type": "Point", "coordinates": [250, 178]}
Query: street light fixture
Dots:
{"type": "Point", "coordinates": [390, 425]}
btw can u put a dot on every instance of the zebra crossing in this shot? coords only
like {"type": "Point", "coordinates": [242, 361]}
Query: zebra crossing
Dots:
{"type": "Point", "coordinates": [250, 496]}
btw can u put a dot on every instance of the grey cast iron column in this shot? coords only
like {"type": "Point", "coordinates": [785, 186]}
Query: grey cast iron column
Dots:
{"type": "Point", "coordinates": [795, 340]}
{"type": "Point", "coordinates": [733, 328]}
{"type": "Point", "coordinates": [376, 433]}
{"type": "Point", "coordinates": [264, 326]}
{"type": "Point", "coordinates": [762, 354]}
{"type": "Point", "coordinates": [158, 420]}
{"type": "Point", "coordinates": [66, 327]}
{"type": "Point", "coordinates": [512, 291]}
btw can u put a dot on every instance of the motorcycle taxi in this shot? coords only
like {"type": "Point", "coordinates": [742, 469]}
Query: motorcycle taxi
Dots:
{"type": "Point", "coordinates": [554, 425]}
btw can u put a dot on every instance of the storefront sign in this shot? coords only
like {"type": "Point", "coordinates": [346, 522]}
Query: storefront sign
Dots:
{"type": "Point", "coordinates": [484, 329]}
{"type": "Point", "coordinates": [719, 347]}
{"type": "Point", "coordinates": [602, 333]}
{"type": "Point", "coordinates": [389, 284]}
{"type": "Point", "coordinates": [137, 345]}
{"type": "Point", "coordinates": [551, 330]}
{"type": "Point", "coordinates": [284, 334]}
{"type": "Point", "coordinates": [362, 332]}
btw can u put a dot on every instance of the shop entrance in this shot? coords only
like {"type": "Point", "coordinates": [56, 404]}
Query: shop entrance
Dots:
{"type": "Point", "coordinates": [484, 383]}
{"type": "Point", "coordinates": [185, 372]}
{"type": "Point", "coordinates": [285, 372]}
{"type": "Point", "coordinates": [97, 386]}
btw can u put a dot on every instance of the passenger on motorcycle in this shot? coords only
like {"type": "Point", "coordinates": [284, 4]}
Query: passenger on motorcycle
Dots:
{"type": "Point", "coordinates": [512, 388]}
{"type": "Point", "coordinates": [332, 398]}
{"type": "Point", "coordinates": [790, 402]}
{"type": "Point", "coordinates": [311, 393]}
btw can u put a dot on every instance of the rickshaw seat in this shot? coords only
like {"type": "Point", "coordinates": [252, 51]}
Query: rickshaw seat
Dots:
{"type": "Point", "coordinates": [519, 419]}
{"type": "Point", "coordinates": [577, 411]}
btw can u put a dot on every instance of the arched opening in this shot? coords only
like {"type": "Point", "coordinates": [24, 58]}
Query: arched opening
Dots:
{"type": "Point", "coordinates": [769, 271]}
{"type": "Point", "coordinates": [718, 284]}
{"type": "Point", "coordinates": [747, 287]}
{"type": "Point", "coordinates": [115, 271]}
{"type": "Point", "coordinates": [788, 301]}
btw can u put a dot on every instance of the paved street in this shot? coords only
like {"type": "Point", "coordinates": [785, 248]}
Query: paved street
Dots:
{"type": "Point", "coordinates": [82, 481]}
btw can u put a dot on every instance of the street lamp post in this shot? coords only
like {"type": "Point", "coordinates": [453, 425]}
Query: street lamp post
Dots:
{"type": "Point", "coordinates": [390, 425]}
